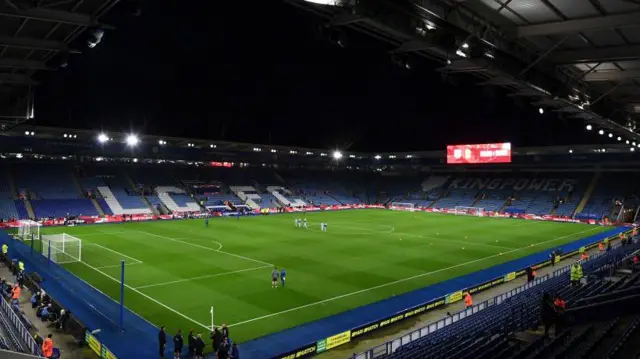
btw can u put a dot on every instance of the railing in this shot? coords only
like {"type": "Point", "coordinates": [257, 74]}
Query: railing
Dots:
{"type": "Point", "coordinates": [393, 345]}
{"type": "Point", "coordinates": [26, 337]}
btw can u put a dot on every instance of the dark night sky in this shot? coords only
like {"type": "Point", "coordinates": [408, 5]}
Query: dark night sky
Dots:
{"type": "Point", "coordinates": [259, 72]}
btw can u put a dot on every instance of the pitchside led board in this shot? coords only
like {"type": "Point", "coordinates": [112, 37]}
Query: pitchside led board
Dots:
{"type": "Point", "coordinates": [483, 153]}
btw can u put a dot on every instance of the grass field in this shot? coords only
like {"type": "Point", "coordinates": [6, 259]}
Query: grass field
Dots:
{"type": "Point", "coordinates": [175, 270]}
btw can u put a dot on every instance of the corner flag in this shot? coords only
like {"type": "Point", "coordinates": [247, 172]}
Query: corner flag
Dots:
{"type": "Point", "coordinates": [211, 311]}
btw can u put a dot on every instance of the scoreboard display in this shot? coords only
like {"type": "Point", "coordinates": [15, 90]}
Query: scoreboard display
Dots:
{"type": "Point", "coordinates": [482, 153]}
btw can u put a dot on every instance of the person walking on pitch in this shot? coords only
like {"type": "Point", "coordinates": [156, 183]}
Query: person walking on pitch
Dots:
{"type": "Point", "coordinates": [274, 278]}
{"type": "Point", "coordinates": [283, 274]}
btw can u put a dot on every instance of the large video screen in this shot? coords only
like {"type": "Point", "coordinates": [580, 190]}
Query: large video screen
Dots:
{"type": "Point", "coordinates": [483, 153]}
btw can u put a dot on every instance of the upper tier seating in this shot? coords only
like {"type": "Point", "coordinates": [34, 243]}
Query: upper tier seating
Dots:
{"type": "Point", "coordinates": [8, 209]}
{"type": "Point", "coordinates": [46, 181]}
{"type": "Point", "coordinates": [58, 208]}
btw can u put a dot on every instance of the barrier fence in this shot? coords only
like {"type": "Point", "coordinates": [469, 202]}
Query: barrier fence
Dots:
{"type": "Point", "coordinates": [25, 335]}
{"type": "Point", "coordinates": [391, 346]}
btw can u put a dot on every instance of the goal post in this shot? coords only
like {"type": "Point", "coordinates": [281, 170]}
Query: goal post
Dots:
{"type": "Point", "coordinates": [403, 206]}
{"type": "Point", "coordinates": [469, 211]}
{"type": "Point", "coordinates": [28, 229]}
{"type": "Point", "coordinates": [62, 248]}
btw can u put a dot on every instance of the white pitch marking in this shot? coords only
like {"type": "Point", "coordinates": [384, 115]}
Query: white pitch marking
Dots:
{"type": "Point", "coordinates": [116, 252]}
{"type": "Point", "coordinates": [117, 265]}
{"type": "Point", "coordinates": [207, 248]}
{"type": "Point", "coordinates": [208, 327]}
{"type": "Point", "coordinates": [400, 280]}
{"type": "Point", "coordinates": [202, 277]}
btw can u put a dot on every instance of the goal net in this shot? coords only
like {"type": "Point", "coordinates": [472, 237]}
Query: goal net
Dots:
{"type": "Point", "coordinates": [62, 248]}
{"type": "Point", "coordinates": [27, 228]}
{"type": "Point", "coordinates": [403, 206]}
{"type": "Point", "coordinates": [469, 211]}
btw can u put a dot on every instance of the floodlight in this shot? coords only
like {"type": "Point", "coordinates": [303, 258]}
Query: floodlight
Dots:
{"type": "Point", "coordinates": [632, 149]}
{"type": "Point", "coordinates": [337, 155]}
{"type": "Point", "coordinates": [132, 140]}
{"type": "Point", "coordinates": [541, 110]}
{"type": "Point", "coordinates": [570, 151]}
{"type": "Point", "coordinates": [65, 135]}
{"type": "Point", "coordinates": [377, 157]}
{"type": "Point", "coordinates": [409, 156]}
{"type": "Point", "coordinates": [32, 133]}
{"type": "Point", "coordinates": [601, 132]}
{"type": "Point", "coordinates": [465, 45]}
{"type": "Point", "coordinates": [610, 134]}
{"type": "Point", "coordinates": [460, 53]}
{"type": "Point", "coordinates": [135, 160]}
{"type": "Point", "coordinates": [102, 138]}
{"type": "Point", "coordinates": [26, 133]}
{"type": "Point", "coordinates": [273, 150]}
{"type": "Point", "coordinates": [212, 145]}
{"type": "Point", "coordinates": [95, 38]}
{"type": "Point", "coordinates": [589, 127]}
{"type": "Point", "coordinates": [627, 142]}
{"type": "Point", "coordinates": [633, 143]}
{"type": "Point", "coordinates": [619, 138]}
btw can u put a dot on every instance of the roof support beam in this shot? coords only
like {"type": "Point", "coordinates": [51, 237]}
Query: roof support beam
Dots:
{"type": "Point", "coordinates": [24, 64]}
{"type": "Point", "coordinates": [16, 79]}
{"type": "Point", "coordinates": [35, 44]}
{"type": "Point", "coordinates": [612, 75]}
{"type": "Point", "coordinates": [43, 14]}
{"type": "Point", "coordinates": [573, 26]}
{"type": "Point", "coordinates": [608, 54]}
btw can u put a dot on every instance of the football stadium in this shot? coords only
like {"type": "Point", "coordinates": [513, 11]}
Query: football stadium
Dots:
{"type": "Point", "coordinates": [342, 179]}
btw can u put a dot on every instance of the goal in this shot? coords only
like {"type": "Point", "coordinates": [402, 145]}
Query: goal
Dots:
{"type": "Point", "coordinates": [27, 228]}
{"type": "Point", "coordinates": [469, 211]}
{"type": "Point", "coordinates": [403, 206]}
{"type": "Point", "coordinates": [63, 248]}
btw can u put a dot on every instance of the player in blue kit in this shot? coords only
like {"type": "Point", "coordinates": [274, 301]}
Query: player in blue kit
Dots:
{"type": "Point", "coordinates": [283, 274]}
{"type": "Point", "coordinates": [206, 222]}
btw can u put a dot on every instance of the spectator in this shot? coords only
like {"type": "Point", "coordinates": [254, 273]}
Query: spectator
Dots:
{"type": "Point", "coordinates": [46, 312]}
{"type": "Point", "coordinates": [636, 260]}
{"type": "Point", "coordinates": [601, 247]}
{"type": "Point", "coordinates": [223, 352]}
{"type": "Point", "coordinates": [47, 346]}
{"type": "Point", "coordinates": [235, 353]}
{"type": "Point", "coordinates": [15, 292]}
{"type": "Point", "coordinates": [177, 344]}
{"type": "Point", "coordinates": [162, 341]}
{"type": "Point", "coordinates": [35, 300]}
{"type": "Point", "coordinates": [576, 273]}
{"type": "Point", "coordinates": [553, 258]}
{"type": "Point", "coordinates": [216, 339]}
{"type": "Point", "coordinates": [530, 275]}
{"type": "Point", "coordinates": [200, 347]}
{"type": "Point", "coordinates": [548, 313]}
{"type": "Point", "coordinates": [64, 318]}
{"type": "Point", "coordinates": [20, 279]}
{"type": "Point", "coordinates": [5, 253]}
{"type": "Point", "coordinates": [468, 300]}
{"type": "Point", "coordinates": [584, 256]}
{"type": "Point", "coordinates": [560, 304]}
{"type": "Point", "coordinates": [225, 330]}
{"type": "Point", "coordinates": [191, 342]}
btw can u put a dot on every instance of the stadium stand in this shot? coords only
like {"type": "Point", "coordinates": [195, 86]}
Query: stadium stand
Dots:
{"type": "Point", "coordinates": [497, 328]}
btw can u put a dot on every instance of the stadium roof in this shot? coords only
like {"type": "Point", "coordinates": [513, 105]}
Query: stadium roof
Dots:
{"type": "Point", "coordinates": [35, 35]}
{"type": "Point", "coordinates": [578, 58]}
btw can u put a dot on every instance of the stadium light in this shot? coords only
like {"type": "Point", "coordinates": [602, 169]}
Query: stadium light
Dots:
{"type": "Point", "coordinates": [273, 150]}
{"type": "Point", "coordinates": [162, 142]}
{"type": "Point", "coordinates": [212, 145]}
{"type": "Point", "coordinates": [541, 110]}
{"type": "Point", "coordinates": [377, 157]}
{"type": "Point", "coordinates": [465, 45]}
{"type": "Point", "coordinates": [460, 53]}
{"type": "Point", "coordinates": [638, 144]}
{"type": "Point", "coordinates": [589, 127]}
{"type": "Point", "coordinates": [102, 138]}
{"type": "Point", "coordinates": [570, 151]}
{"type": "Point", "coordinates": [65, 135]}
{"type": "Point", "coordinates": [135, 160]}
{"type": "Point", "coordinates": [601, 132]}
{"type": "Point", "coordinates": [619, 138]}
{"type": "Point", "coordinates": [627, 142]}
{"type": "Point", "coordinates": [610, 134]}
{"type": "Point", "coordinates": [323, 154]}
{"type": "Point", "coordinates": [632, 149]}
{"type": "Point", "coordinates": [633, 143]}
{"type": "Point", "coordinates": [409, 156]}
{"type": "Point", "coordinates": [132, 140]}
{"type": "Point", "coordinates": [337, 155]}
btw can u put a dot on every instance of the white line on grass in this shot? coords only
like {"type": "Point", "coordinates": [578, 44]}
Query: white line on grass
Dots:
{"type": "Point", "coordinates": [117, 265]}
{"type": "Point", "coordinates": [403, 280]}
{"type": "Point", "coordinates": [101, 234]}
{"type": "Point", "coordinates": [148, 297]}
{"type": "Point", "coordinates": [453, 241]}
{"type": "Point", "coordinates": [207, 248]}
{"type": "Point", "coordinates": [116, 252]}
{"type": "Point", "coordinates": [202, 277]}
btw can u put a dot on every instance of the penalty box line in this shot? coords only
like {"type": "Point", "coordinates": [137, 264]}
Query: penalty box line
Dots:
{"type": "Point", "coordinates": [219, 250]}
{"type": "Point", "coordinates": [404, 280]}
{"type": "Point", "coordinates": [137, 261]}
{"type": "Point", "coordinates": [149, 297]}
{"type": "Point", "coordinates": [203, 277]}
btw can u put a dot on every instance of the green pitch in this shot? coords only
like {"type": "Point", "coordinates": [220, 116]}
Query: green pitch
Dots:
{"type": "Point", "coordinates": [177, 270]}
